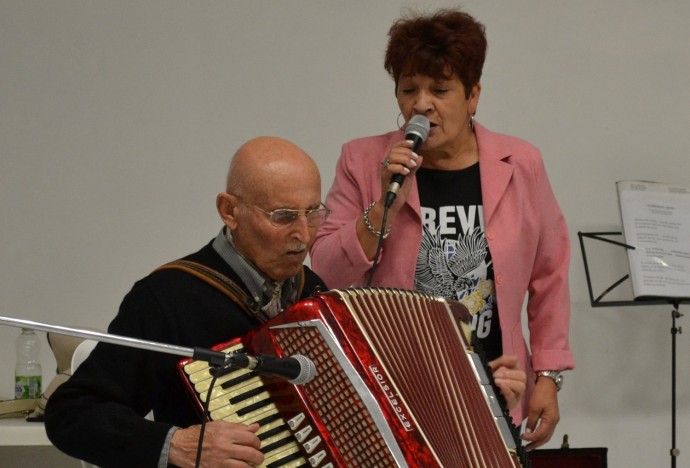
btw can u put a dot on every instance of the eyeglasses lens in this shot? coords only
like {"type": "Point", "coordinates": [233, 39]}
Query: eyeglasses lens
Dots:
{"type": "Point", "coordinates": [287, 217]}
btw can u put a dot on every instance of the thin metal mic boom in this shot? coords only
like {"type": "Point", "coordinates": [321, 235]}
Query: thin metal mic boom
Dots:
{"type": "Point", "coordinates": [213, 357]}
{"type": "Point", "coordinates": [297, 369]}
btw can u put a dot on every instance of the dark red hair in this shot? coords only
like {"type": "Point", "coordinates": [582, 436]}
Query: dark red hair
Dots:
{"type": "Point", "coordinates": [440, 45]}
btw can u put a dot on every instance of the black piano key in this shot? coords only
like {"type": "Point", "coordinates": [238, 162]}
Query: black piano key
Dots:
{"type": "Point", "coordinates": [268, 419]}
{"type": "Point", "coordinates": [272, 432]}
{"type": "Point", "coordinates": [285, 460]}
{"type": "Point", "coordinates": [254, 407]}
{"type": "Point", "coordinates": [238, 380]}
{"type": "Point", "coordinates": [277, 444]}
{"type": "Point", "coordinates": [246, 395]}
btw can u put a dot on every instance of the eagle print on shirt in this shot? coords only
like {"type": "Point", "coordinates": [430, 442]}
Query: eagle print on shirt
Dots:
{"type": "Point", "coordinates": [456, 267]}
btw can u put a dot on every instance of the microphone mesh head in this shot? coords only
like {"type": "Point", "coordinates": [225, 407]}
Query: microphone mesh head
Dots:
{"type": "Point", "coordinates": [418, 125]}
{"type": "Point", "coordinates": [307, 370]}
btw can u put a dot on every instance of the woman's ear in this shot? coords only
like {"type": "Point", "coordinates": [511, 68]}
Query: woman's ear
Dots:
{"type": "Point", "coordinates": [474, 98]}
{"type": "Point", "coordinates": [227, 205]}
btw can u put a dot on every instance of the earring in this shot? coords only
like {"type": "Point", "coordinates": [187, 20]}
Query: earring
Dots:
{"type": "Point", "coordinates": [398, 120]}
{"type": "Point", "coordinates": [471, 123]}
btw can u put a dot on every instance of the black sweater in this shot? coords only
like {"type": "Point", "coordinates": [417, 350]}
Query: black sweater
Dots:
{"type": "Point", "coordinates": [97, 415]}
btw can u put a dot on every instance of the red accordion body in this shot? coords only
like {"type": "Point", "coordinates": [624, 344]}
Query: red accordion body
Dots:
{"type": "Point", "coordinates": [397, 385]}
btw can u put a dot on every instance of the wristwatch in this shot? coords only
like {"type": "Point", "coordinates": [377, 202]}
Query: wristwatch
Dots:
{"type": "Point", "coordinates": [553, 375]}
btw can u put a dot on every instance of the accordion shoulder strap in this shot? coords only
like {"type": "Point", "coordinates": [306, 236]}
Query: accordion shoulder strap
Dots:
{"type": "Point", "coordinates": [215, 279]}
{"type": "Point", "coordinates": [223, 283]}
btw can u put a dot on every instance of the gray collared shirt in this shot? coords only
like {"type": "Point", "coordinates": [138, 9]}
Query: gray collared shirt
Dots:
{"type": "Point", "coordinates": [269, 297]}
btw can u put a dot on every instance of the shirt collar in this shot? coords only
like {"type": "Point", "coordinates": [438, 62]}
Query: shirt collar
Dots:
{"type": "Point", "coordinates": [259, 285]}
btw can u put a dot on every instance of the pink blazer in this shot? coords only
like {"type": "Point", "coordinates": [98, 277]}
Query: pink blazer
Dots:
{"type": "Point", "coordinates": [525, 230]}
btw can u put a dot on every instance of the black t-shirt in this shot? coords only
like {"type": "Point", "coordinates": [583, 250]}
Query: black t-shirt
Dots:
{"type": "Point", "coordinates": [454, 259]}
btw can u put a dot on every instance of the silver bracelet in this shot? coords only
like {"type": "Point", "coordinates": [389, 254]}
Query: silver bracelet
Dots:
{"type": "Point", "coordinates": [369, 226]}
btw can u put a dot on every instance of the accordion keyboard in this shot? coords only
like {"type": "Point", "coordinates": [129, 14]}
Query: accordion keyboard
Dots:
{"type": "Point", "coordinates": [240, 396]}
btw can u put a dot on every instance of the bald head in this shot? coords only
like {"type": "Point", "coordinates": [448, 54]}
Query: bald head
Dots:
{"type": "Point", "coordinates": [269, 174]}
{"type": "Point", "coordinates": [264, 163]}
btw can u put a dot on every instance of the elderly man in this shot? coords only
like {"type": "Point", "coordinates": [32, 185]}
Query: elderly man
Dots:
{"type": "Point", "coordinates": [271, 210]}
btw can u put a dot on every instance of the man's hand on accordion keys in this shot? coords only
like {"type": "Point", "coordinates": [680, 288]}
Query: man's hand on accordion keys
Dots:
{"type": "Point", "coordinates": [226, 444]}
{"type": "Point", "coordinates": [509, 378]}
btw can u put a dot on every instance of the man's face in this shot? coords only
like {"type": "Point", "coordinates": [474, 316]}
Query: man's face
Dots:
{"type": "Point", "coordinates": [278, 251]}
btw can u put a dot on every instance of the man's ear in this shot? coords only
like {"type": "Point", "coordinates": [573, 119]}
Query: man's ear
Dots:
{"type": "Point", "coordinates": [227, 206]}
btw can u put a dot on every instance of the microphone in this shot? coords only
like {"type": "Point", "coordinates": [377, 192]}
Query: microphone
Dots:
{"type": "Point", "coordinates": [417, 130]}
{"type": "Point", "coordinates": [296, 369]}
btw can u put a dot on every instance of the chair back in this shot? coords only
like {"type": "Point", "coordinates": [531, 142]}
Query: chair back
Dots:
{"type": "Point", "coordinates": [80, 354]}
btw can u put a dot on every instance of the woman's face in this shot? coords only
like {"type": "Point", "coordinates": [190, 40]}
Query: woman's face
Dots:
{"type": "Point", "coordinates": [444, 103]}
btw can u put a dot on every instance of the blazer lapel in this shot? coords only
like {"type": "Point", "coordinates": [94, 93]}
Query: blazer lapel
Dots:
{"type": "Point", "coordinates": [494, 168]}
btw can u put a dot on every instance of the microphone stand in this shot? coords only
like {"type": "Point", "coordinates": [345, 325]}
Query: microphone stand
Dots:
{"type": "Point", "coordinates": [214, 358]}
{"type": "Point", "coordinates": [675, 314]}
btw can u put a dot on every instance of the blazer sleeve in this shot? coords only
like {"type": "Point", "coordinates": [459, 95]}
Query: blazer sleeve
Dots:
{"type": "Point", "coordinates": [548, 307]}
{"type": "Point", "coordinates": [337, 256]}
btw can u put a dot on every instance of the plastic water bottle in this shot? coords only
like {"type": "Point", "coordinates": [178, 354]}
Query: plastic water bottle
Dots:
{"type": "Point", "coordinates": [28, 373]}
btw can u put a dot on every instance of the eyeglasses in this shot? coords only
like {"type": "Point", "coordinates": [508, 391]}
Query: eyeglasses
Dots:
{"type": "Point", "coordinates": [284, 217]}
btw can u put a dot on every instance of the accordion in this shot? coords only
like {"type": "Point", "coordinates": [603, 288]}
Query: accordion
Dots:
{"type": "Point", "coordinates": [398, 385]}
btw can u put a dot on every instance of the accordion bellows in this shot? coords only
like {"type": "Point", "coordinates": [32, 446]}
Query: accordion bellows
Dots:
{"type": "Point", "coordinates": [398, 384]}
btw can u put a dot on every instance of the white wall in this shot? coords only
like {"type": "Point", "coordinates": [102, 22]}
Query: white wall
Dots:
{"type": "Point", "coordinates": [118, 119]}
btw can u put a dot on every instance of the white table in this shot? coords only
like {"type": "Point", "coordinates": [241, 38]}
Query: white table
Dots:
{"type": "Point", "coordinates": [17, 431]}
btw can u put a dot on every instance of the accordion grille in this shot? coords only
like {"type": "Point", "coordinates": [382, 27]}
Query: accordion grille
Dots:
{"type": "Point", "coordinates": [338, 404]}
{"type": "Point", "coordinates": [422, 349]}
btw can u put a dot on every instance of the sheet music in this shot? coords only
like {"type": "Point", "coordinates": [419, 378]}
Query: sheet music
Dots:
{"type": "Point", "coordinates": [656, 221]}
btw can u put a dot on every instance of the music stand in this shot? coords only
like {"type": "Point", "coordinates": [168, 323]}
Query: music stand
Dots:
{"type": "Point", "coordinates": [675, 314]}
